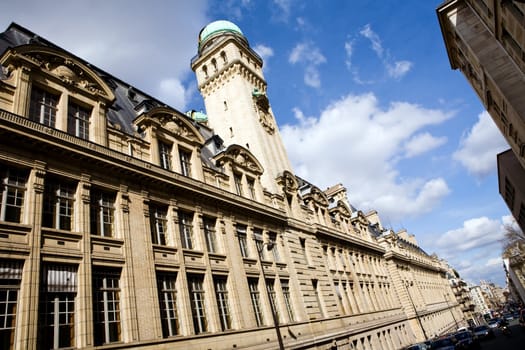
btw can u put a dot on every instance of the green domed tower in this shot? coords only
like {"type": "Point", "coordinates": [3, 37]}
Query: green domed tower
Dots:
{"type": "Point", "coordinates": [231, 81]}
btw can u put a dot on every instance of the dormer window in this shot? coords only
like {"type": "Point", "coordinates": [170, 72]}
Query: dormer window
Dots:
{"type": "Point", "coordinates": [78, 120]}
{"type": "Point", "coordinates": [165, 155]}
{"type": "Point", "coordinates": [237, 178]}
{"type": "Point", "coordinates": [185, 162]}
{"type": "Point", "coordinates": [43, 108]}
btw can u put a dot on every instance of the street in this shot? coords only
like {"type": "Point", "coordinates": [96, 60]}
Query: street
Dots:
{"type": "Point", "coordinates": [516, 340]}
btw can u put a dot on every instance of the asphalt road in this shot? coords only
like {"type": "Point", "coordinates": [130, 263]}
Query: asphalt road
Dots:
{"type": "Point", "coordinates": [514, 341]}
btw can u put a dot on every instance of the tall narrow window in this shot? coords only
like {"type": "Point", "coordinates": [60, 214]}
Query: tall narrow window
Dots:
{"type": "Point", "coordinates": [57, 307]}
{"type": "Point", "coordinates": [302, 242]}
{"type": "Point", "coordinates": [243, 243]}
{"type": "Point", "coordinates": [270, 285]}
{"type": "Point", "coordinates": [275, 250]}
{"type": "Point", "coordinates": [106, 304]}
{"type": "Point", "coordinates": [259, 243]}
{"type": "Point", "coordinates": [102, 213]}
{"type": "Point", "coordinates": [287, 299]}
{"type": "Point", "coordinates": [12, 193]}
{"type": "Point", "coordinates": [251, 187]}
{"type": "Point", "coordinates": [185, 162]}
{"type": "Point", "coordinates": [318, 297]}
{"type": "Point", "coordinates": [168, 304]}
{"type": "Point", "coordinates": [165, 155]}
{"type": "Point", "coordinates": [237, 178]}
{"type": "Point", "coordinates": [186, 229]}
{"type": "Point", "coordinates": [221, 294]}
{"type": "Point", "coordinates": [10, 276]}
{"type": "Point", "coordinates": [255, 298]}
{"type": "Point", "coordinates": [158, 224]}
{"type": "Point", "coordinates": [43, 107]}
{"type": "Point", "coordinates": [78, 120]}
{"type": "Point", "coordinates": [197, 303]}
{"type": "Point", "coordinates": [59, 197]}
{"type": "Point", "coordinates": [210, 234]}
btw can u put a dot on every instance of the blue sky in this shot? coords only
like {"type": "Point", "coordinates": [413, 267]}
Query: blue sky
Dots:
{"type": "Point", "coordinates": [362, 91]}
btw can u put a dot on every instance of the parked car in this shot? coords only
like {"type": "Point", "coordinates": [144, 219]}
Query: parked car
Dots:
{"type": "Point", "coordinates": [446, 343]}
{"type": "Point", "coordinates": [466, 340]}
{"type": "Point", "coordinates": [419, 346]}
{"type": "Point", "coordinates": [483, 332]}
{"type": "Point", "coordinates": [493, 323]}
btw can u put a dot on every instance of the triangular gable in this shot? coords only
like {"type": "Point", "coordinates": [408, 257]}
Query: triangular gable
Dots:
{"type": "Point", "coordinates": [61, 65]}
{"type": "Point", "coordinates": [240, 157]}
{"type": "Point", "coordinates": [172, 122]}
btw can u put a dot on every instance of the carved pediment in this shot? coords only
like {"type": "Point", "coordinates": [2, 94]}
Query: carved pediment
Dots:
{"type": "Point", "coordinates": [240, 157]}
{"type": "Point", "coordinates": [317, 196]}
{"type": "Point", "coordinates": [288, 182]}
{"type": "Point", "coordinates": [343, 209]}
{"type": "Point", "coordinates": [60, 65]}
{"type": "Point", "coordinates": [170, 122]}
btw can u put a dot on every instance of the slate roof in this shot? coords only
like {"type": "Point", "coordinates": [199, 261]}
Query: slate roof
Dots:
{"type": "Point", "coordinates": [129, 100]}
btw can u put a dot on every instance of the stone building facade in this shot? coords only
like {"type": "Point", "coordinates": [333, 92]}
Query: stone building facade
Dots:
{"type": "Point", "coordinates": [485, 40]}
{"type": "Point", "coordinates": [125, 223]}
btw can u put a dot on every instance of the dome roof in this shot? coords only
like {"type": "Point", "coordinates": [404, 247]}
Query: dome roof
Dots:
{"type": "Point", "coordinates": [218, 27]}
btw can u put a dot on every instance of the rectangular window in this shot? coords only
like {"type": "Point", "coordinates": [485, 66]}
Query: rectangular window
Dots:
{"type": "Point", "coordinates": [185, 162]}
{"type": "Point", "coordinates": [302, 242]}
{"type": "Point", "coordinates": [509, 194]}
{"type": "Point", "coordinates": [78, 120]}
{"type": "Point", "coordinates": [270, 286]}
{"type": "Point", "coordinates": [102, 208]}
{"type": "Point", "coordinates": [255, 298]}
{"type": "Point", "coordinates": [12, 193]}
{"type": "Point", "coordinates": [197, 303]}
{"type": "Point", "coordinates": [237, 178]}
{"type": "Point", "coordinates": [158, 224]}
{"type": "Point", "coordinates": [221, 294]}
{"type": "Point", "coordinates": [243, 243]}
{"type": "Point", "coordinates": [251, 187]}
{"type": "Point", "coordinates": [318, 297]}
{"type": "Point", "coordinates": [168, 304]}
{"type": "Point", "coordinates": [59, 198]}
{"type": "Point", "coordinates": [186, 229]}
{"type": "Point", "coordinates": [10, 276]}
{"type": "Point", "coordinates": [165, 155]}
{"type": "Point", "coordinates": [210, 234]}
{"type": "Point", "coordinates": [43, 107]}
{"type": "Point", "coordinates": [275, 250]}
{"type": "Point", "coordinates": [287, 299]}
{"type": "Point", "coordinates": [259, 243]}
{"type": "Point", "coordinates": [57, 307]}
{"type": "Point", "coordinates": [106, 304]}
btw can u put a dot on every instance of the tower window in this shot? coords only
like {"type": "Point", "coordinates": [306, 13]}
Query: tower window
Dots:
{"type": "Point", "coordinates": [214, 64]}
{"type": "Point", "coordinates": [205, 70]}
{"type": "Point", "coordinates": [223, 56]}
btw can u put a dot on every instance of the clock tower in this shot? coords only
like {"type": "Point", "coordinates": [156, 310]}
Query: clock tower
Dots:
{"type": "Point", "coordinates": [230, 79]}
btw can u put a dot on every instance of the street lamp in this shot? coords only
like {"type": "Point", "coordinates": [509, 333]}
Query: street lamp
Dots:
{"type": "Point", "coordinates": [407, 284]}
{"type": "Point", "coordinates": [446, 300]}
{"type": "Point", "coordinates": [269, 247]}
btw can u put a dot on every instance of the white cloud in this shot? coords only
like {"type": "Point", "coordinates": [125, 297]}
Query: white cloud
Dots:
{"type": "Point", "coordinates": [356, 142]}
{"type": "Point", "coordinates": [310, 56]}
{"type": "Point", "coordinates": [398, 69]}
{"type": "Point", "coordinates": [421, 143]}
{"type": "Point", "coordinates": [265, 52]}
{"type": "Point", "coordinates": [117, 44]}
{"type": "Point", "coordinates": [394, 69]}
{"type": "Point", "coordinates": [284, 9]}
{"type": "Point", "coordinates": [375, 41]}
{"type": "Point", "coordinates": [173, 92]}
{"type": "Point", "coordinates": [479, 147]}
{"type": "Point", "coordinates": [349, 49]}
{"type": "Point", "coordinates": [475, 233]}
